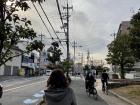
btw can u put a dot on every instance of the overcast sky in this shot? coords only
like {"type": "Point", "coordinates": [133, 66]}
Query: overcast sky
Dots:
{"type": "Point", "coordinates": [91, 23]}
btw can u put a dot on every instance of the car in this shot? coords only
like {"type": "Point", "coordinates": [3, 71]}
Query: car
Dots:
{"type": "Point", "coordinates": [1, 90]}
{"type": "Point", "coordinates": [48, 72]}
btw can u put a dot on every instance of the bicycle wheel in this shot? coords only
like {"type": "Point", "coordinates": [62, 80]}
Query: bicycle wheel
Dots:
{"type": "Point", "coordinates": [106, 90]}
{"type": "Point", "coordinates": [95, 94]}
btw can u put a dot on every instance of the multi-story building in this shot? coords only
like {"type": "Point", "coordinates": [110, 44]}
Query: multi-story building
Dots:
{"type": "Point", "coordinates": [27, 64]}
{"type": "Point", "coordinates": [12, 67]}
{"type": "Point", "coordinates": [124, 29]}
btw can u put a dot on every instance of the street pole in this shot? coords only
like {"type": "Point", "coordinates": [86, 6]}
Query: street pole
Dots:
{"type": "Point", "coordinates": [74, 45]}
{"type": "Point", "coordinates": [88, 57]}
{"type": "Point", "coordinates": [113, 66]}
{"type": "Point", "coordinates": [68, 38]}
{"type": "Point", "coordinates": [40, 55]}
{"type": "Point", "coordinates": [67, 35]}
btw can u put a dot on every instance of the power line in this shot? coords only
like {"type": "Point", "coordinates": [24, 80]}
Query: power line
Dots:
{"type": "Point", "coordinates": [51, 25]}
{"type": "Point", "coordinates": [42, 21]}
{"type": "Point", "coordinates": [57, 2]}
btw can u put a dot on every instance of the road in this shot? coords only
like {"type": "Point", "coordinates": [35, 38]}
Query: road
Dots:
{"type": "Point", "coordinates": [29, 91]}
{"type": "Point", "coordinates": [23, 92]}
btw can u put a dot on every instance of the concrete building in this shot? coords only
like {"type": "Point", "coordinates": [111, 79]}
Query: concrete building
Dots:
{"type": "Point", "coordinates": [78, 68]}
{"type": "Point", "coordinates": [12, 67]}
{"type": "Point", "coordinates": [27, 64]}
{"type": "Point", "coordinates": [124, 29]}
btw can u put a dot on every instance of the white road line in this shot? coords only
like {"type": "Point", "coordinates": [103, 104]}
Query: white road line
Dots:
{"type": "Point", "coordinates": [20, 81]}
{"type": "Point", "coordinates": [23, 86]}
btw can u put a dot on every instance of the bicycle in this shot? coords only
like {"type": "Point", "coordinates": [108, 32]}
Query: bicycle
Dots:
{"type": "Point", "coordinates": [92, 90]}
{"type": "Point", "coordinates": [105, 88]}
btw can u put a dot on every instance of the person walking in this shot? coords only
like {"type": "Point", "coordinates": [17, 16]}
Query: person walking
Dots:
{"type": "Point", "coordinates": [58, 91]}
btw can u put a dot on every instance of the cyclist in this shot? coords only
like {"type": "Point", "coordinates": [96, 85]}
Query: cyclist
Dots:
{"type": "Point", "coordinates": [89, 80]}
{"type": "Point", "coordinates": [93, 70]}
{"type": "Point", "coordinates": [104, 79]}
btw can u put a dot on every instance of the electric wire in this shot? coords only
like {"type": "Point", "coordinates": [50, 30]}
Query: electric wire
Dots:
{"type": "Point", "coordinates": [51, 25]}
{"type": "Point", "coordinates": [58, 7]}
{"type": "Point", "coordinates": [43, 21]}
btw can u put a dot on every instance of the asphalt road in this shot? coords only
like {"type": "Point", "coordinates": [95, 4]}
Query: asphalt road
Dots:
{"type": "Point", "coordinates": [29, 91]}
{"type": "Point", "coordinates": [23, 92]}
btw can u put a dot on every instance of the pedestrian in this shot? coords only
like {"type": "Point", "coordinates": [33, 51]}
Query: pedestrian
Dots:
{"type": "Point", "coordinates": [58, 91]}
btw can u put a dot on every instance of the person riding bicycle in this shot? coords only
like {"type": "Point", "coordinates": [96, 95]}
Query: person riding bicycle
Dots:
{"type": "Point", "coordinates": [104, 79]}
{"type": "Point", "coordinates": [89, 80]}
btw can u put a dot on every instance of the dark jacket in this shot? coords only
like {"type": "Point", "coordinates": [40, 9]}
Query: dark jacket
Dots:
{"type": "Point", "coordinates": [60, 96]}
{"type": "Point", "coordinates": [104, 77]}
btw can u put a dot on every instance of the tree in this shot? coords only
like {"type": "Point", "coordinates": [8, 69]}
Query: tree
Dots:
{"type": "Point", "coordinates": [135, 34]}
{"type": "Point", "coordinates": [120, 53]}
{"type": "Point", "coordinates": [13, 28]}
{"type": "Point", "coordinates": [65, 64]}
{"type": "Point", "coordinates": [54, 53]}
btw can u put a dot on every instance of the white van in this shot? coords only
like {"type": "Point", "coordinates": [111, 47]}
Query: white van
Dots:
{"type": "Point", "coordinates": [48, 72]}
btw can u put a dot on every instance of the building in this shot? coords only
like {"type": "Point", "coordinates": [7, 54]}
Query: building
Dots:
{"type": "Point", "coordinates": [25, 65]}
{"type": "Point", "coordinates": [78, 68]}
{"type": "Point", "coordinates": [12, 67]}
{"type": "Point", "coordinates": [124, 29]}
{"type": "Point", "coordinates": [28, 65]}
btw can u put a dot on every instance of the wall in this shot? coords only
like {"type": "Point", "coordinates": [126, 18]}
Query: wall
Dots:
{"type": "Point", "coordinates": [14, 62]}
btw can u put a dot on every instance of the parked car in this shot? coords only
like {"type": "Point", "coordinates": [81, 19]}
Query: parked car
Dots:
{"type": "Point", "coordinates": [48, 72]}
{"type": "Point", "coordinates": [1, 90]}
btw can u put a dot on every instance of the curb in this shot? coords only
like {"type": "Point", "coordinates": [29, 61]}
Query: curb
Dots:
{"type": "Point", "coordinates": [122, 98]}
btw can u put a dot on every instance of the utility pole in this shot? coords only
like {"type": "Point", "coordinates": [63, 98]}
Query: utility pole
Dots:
{"type": "Point", "coordinates": [88, 57]}
{"type": "Point", "coordinates": [67, 35]}
{"type": "Point", "coordinates": [68, 56]}
{"type": "Point", "coordinates": [40, 54]}
{"type": "Point", "coordinates": [82, 59]}
{"type": "Point", "coordinates": [113, 66]}
{"type": "Point", "coordinates": [74, 45]}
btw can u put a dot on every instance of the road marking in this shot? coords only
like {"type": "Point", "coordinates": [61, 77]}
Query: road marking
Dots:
{"type": "Point", "coordinates": [38, 95]}
{"type": "Point", "coordinates": [23, 80]}
{"type": "Point", "coordinates": [30, 101]}
{"type": "Point", "coordinates": [42, 91]}
{"type": "Point", "coordinates": [22, 86]}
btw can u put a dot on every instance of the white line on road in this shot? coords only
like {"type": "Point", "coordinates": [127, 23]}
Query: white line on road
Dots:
{"type": "Point", "coordinates": [23, 86]}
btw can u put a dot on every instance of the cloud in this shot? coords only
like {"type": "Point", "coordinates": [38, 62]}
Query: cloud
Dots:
{"type": "Point", "coordinates": [91, 21]}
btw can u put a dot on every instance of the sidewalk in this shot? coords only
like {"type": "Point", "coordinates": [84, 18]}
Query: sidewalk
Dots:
{"type": "Point", "coordinates": [83, 99]}
{"type": "Point", "coordinates": [110, 99]}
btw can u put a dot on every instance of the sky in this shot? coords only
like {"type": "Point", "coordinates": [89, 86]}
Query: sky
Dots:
{"type": "Point", "coordinates": [91, 22]}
